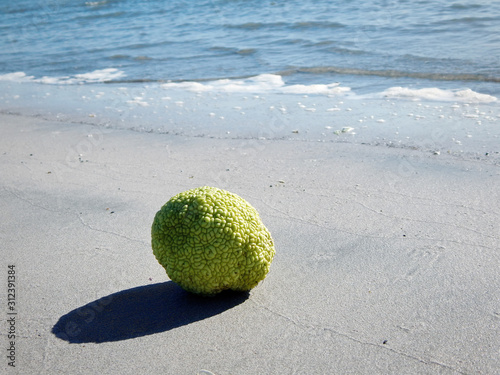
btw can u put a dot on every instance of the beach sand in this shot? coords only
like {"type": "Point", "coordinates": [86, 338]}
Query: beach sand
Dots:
{"type": "Point", "coordinates": [387, 259]}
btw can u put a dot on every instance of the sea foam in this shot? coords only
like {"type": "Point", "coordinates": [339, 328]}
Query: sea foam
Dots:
{"type": "Point", "coordinates": [96, 76]}
{"type": "Point", "coordinates": [272, 83]}
{"type": "Point", "coordinates": [16, 77]}
{"type": "Point", "coordinates": [435, 94]}
{"type": "Point", "coordinates": [263, 83]}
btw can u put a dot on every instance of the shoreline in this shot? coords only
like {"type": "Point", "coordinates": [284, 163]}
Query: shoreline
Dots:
{"type": "Point", "coordinates": [454, 125]}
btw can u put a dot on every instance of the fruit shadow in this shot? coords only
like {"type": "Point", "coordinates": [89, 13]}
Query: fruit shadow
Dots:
{"type": "Point", "coordinates": [141, 311]}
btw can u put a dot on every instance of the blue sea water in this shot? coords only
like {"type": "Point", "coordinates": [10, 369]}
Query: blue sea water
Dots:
{"type": "Point", "coordinates": [365, 45]}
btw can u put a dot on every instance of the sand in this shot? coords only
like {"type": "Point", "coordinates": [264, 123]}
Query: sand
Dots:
{"type": "Point", "coordinates": [387, 259]}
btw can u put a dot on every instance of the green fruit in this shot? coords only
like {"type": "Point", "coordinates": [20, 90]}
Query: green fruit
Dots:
{"type": "Point", "coordinates": [209, 240]}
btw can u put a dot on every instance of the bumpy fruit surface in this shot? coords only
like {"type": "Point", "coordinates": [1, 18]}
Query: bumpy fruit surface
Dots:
{"type": "Point", "coordinates": [209, 240]}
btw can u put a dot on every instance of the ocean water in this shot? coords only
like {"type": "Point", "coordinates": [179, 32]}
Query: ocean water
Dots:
{"type": "Point", "coordinates": [401, 73]}
{"type": "Point", "coordinates": [365, 45]}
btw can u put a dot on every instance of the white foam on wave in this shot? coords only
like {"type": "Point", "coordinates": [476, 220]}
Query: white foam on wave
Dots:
{"type": "Point", "coordinates": [100, 75]}
{"type": "Point", "coordinates": [435, 94]}
{"type": "Point", "coordinates": [263, 83]}
{"type": "Point", "coordinates": [16, 77]}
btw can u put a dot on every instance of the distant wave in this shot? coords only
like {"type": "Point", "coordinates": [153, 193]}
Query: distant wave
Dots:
{"type": "Point", "coordinates": [109, 15]}
{"type": "Point", "coordinates": [262, 84]}
{"type": "Point", "coordinates": [465, 6]}
{"type": "Point", "coordinates": [115, 76]}
{"type": "Point", "coordinates": [256, 25]}
{"type": "Point", "coordinates": [95, 3]}
{"type": "Point", "coordinates": [465, 20]}
{"type": "Point", "coordinates": [271, 83]}
{"type": "Point", "coordinates": [293, 26]}
{"type": "Point", "coordinates": [316, 25]}
{"type": "Point", "coordinates": [97, 76]}
{"type": "Point", "coordinates": [390, 74]}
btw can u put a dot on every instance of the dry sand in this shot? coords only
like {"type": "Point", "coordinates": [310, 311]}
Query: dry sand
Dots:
{"type": "Point", "coordinates": [387, 259]}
